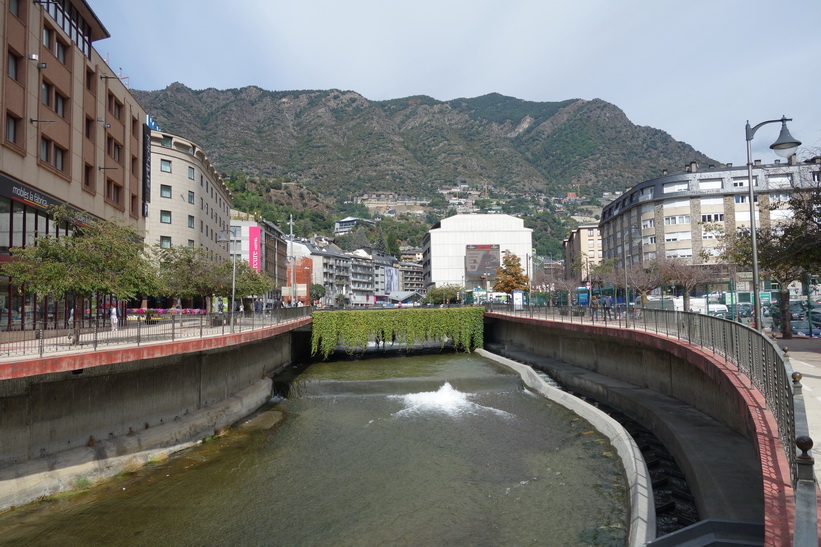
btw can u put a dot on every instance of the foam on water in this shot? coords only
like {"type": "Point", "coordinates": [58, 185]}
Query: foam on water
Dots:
{"type": "Point", "coordinates": [446, 400]}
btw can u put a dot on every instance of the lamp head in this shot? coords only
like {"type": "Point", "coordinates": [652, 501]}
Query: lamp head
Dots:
{"type": "Point", "coordinates": [786, 145]}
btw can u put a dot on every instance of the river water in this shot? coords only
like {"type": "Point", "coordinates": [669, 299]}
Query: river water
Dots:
{"type": "Point", "coordinates": [444, 449]}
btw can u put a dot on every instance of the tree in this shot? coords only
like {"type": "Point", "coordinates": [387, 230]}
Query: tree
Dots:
{"type": "Point", "coordinates": [317, 292]}
{"type": "Point", "coordinates": [104, 257]}
{"type": "Point", "coordinates": [510, 277]}
{"type": "Point", "coordinates": [186, 272]}
{"type": "Point", "coordinates": [688, 276]}
{"type": "Point", "coordinates": [446, 294]}
{"type": "Point", "coordinates": [645, 278]}
{"type": "Point", "coordinates": [776, 261]}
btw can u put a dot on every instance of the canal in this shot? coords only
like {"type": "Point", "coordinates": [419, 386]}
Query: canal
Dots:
{"type": "Point", "coordinates": [437, 449]}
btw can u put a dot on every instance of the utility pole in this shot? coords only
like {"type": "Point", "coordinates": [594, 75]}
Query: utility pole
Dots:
{"type": "Point", "coordinates": [291, 257]}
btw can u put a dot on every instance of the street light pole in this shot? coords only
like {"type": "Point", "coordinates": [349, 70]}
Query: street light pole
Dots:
{"type": "Point", "coordinates": [785, 147]}
{"type": "Point", "coordinates": [230, 241]}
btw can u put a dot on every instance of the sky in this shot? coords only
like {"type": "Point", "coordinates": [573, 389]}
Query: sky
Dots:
{"type": "Point", "coordinates": [697, 69]}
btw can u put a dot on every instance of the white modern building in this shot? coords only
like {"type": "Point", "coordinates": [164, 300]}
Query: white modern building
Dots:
{"type": "Point", "coordinates": [466, 250]}
{"type": "Point", "coordinates": [190, 204]}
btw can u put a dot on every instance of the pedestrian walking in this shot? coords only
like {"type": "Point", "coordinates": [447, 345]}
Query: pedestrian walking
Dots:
{"type": "Point", "coordinates": [115, 319]}
{"type": "Point", "coordinates": [607, 303]}
{"type": "Point", "coordinates": [594, 308]}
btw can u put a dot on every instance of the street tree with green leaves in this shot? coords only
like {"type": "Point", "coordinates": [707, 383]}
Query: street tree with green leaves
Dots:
{"type": "Point", "coordinates": [186, 272]}
{"type": "Point", "coordinates": [104, 257]}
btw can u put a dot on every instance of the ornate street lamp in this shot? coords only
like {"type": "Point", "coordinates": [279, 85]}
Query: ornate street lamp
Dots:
{"type": "Point", "coordinates": [785, 147]}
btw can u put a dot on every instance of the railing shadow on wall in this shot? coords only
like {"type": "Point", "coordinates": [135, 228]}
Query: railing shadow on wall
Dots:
{"type": "Point", "coordinates": [755, 355]}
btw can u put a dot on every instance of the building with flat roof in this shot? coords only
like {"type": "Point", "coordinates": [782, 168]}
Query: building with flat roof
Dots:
{"type": "Point", "coordinates": [582, 251]}
{"type": "Point", "coordinates": [72, 135]}
{"type": "Point", "coordinates": [466, 250]}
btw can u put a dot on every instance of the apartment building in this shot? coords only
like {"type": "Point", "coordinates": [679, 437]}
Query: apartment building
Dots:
{"type": "Point", "coordinates": [582, 251]}
{"type": "Point", "coordinates": [676, 215]}
{"type": "Point", "coordinates": [190, 203]}
{"type": "Point", "coordinates": [73, 135]}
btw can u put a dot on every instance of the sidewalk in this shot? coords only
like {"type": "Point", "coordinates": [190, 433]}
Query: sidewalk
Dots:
{"type": "Point", "coordinates": [805, 357]}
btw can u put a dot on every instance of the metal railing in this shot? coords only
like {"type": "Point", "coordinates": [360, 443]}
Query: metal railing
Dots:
{"type": "Point", "coordinates": [753, 353]}
{"type": "Point", "coordinates": [93, 335]}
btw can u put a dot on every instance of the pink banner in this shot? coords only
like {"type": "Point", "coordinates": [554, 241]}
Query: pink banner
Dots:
{"type": "Point", "coordinates": [255, 243]}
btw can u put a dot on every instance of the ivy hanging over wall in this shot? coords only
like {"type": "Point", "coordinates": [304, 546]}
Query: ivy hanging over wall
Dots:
{"type": "Point", "coordinates": [354, 329]}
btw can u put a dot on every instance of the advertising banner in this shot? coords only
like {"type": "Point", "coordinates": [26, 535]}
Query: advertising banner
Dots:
{"type": "Point", "coordinates": [255, 247]}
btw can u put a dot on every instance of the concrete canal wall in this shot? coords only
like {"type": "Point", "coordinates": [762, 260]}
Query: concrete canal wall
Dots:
{"type": "Point", "coordinates": [86, 415]}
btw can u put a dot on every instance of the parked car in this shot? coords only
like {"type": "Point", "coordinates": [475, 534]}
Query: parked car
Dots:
{"type": "Point", "coordinates": [741, 310]}
{"type": "Point", "coordinates": [796, 309]}
{"type": "Point", "coordinates": [801, 328]}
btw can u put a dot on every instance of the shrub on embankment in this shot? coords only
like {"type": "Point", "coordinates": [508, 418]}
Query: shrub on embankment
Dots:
{"type": "Point", "coordinates": [352, 330]}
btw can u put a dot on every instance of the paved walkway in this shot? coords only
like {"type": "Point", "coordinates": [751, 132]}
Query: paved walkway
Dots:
{"type": "Point", "coordinates": [805, 357]}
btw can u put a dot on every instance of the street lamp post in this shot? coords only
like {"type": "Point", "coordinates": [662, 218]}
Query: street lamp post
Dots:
{"type": "Point", "coordinates": [223, 239]}
{"type": "Point", "coordinates": [785, 147]}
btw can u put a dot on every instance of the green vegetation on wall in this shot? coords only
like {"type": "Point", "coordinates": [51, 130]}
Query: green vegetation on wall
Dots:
{"type": "Point", "coordinates": [354, 329]}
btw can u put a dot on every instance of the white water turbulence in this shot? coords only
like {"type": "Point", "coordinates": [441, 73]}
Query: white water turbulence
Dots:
{"type": "Point", "coordinates": [446, 400]}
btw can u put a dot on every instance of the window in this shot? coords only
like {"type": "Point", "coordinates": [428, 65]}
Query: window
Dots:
{"type": "Point", "coordinates": [676, 219]}
{"type": "Point", "coordinates": [816, 176]}
{"type": "Point", "coordinates": [780, 197]}
{"type": "Point", "coordinates": [165, 166]}
{"type": "Point", "coordinates": [46, 90]}
{"type": "Point", "coordinates": [60, 51]}
{"type": "Point", "coordinates": [88, 176]}
{"type": "Point", "coordinates": [677, 236]}
{"type": "Point", "coordinates": [165, 217]}
{"type": "Point", "coordinates": [648, 240]}
{"type": "Point", "coordinates": [191, 173]}
{"type": "Point", "coordinates": [47, 37]}
{"type": "Point", "coordinates": [190, 221]}
{"type": "Point", "coordinates": [117, 151]}
{"type": "Point", "coordinates": [708, 202]}
{"type": "Point", "coordinates": [60, 105]}
{"type": "Point", "coordinates": [45, 149]}
{"type": "Point", "coordinates": [14, 7]}
{"type": "Point", "coordinates": [679, 253]}
{"type": "Point", "coordinates": [739, 183]}
{"type": "Point", "coordinates": [113, 192]}
{"type": "Point", "coordinates": [166, 141]}
{"type": "Point", "coordinates": [709, 184]}
{"type": "Point", "coordinates": [12, 128]}
{"type": "Point", "coordinates": [59, 158]}
{"type": "Point", "coordinates": [190, 197]}
{"type": "Point", "coordinates": [713, 217]}
{"type": "Point", "coordinates": [648, 223]}
{"type": "Point", "coordinates": [13, 68]}
{"type": "Point", "coordinates": [165, 191]}
{"type": "Point", "coordinates": [191, 243]}
{"type": "Point", "coordinates": [678, 203]}
{"type": "Point", "coordinates": [115, 106]}
{"type": "Point", "coordinates": [90, 79]}
{"type": "Point", "coordinates": [741, 199]}
{"type": "Point", "coordinates": [676, 187]}
{"type": "Point", "coordinates": [165, 242]}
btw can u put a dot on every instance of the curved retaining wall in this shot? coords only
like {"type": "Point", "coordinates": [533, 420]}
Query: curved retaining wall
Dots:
{"type": "Point", "coordinates": [85, 415]}
{"type": "Point", "coordinates": [640, 488]}
{"type": "Point", "coordinates": [684, 372]}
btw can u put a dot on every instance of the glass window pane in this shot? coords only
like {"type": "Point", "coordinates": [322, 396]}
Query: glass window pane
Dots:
{"type": "Point", "coordinates": [17, 226]}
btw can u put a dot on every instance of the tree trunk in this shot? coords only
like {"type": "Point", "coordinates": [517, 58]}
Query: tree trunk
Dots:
{"type": "Point", "coordinates": [784, 306]}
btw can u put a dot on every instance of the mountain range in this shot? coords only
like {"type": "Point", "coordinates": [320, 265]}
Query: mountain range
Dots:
{"type": "Point", "coordinates": [340, 144]}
